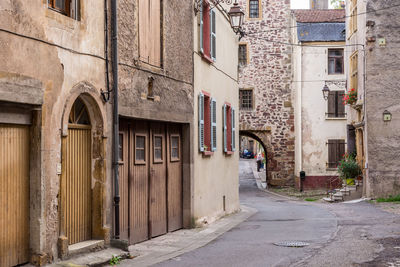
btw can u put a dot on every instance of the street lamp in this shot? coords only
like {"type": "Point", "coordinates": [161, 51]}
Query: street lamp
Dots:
{"type": "Point", "coordinates": [325, 92]}
{"type": "Point", "coordinates": [236, 16]}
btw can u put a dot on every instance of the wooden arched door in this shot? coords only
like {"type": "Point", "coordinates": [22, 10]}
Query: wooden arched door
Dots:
{"type": "Point", "coordinates": [76, 176]}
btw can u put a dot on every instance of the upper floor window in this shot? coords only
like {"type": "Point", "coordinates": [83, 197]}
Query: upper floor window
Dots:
{"type": "Point", "coordinates": [69, 8]}
{"type": "Point", "coordinates": [242, 54]}
{"type": "Point", "coordinates": [354, 71]}
{"type": "Point", "coordinates": [336, 108]}
{"type": "Point", "coordinates": [335, 61]}
{"type": "Point", "coordinates": [208, 32]}
{"type": "Point", "coordinates": [254, 8]}
{"type": "Point", "coordinates": [150, 32]}
{"type": "Point", "coordinates": [353, 17]}
{"type": "Point", "coordinates": [246, 99]}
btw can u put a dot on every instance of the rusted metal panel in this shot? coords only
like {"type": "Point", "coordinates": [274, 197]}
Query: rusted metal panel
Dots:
{"type": "Point", "coordinates": [158, 181]}
{"type": "Point", "coordinates": [174, 187]}
{"type": "Point", "coordinates": [14, 195]}
{"type": "Point", "coordinates": [77, 182]}
{"type": "Point", "coordinates": [139, 183]}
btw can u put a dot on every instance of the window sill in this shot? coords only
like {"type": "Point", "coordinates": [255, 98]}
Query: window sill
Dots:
{"type": "Point", "coordinates": [331, 169]}
{"type": "Point", "coordinates": [207, 58]}
{"type": "Point", "coordinates": [336, 118]}
{"type": "Point", "coordinates": [228, 153]}
{"type": "Point", "coordinates": [207, 153]}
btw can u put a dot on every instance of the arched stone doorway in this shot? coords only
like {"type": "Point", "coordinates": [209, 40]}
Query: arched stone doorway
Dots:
{"type": "Point", "coordinates": [83, 173]}
{"type": "Point", "coordinates": [263, 144]}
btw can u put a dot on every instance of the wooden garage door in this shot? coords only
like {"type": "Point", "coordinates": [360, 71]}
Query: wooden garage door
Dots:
{"type": "Point", "coordinates": [150, 171]}
{"type": "Point", "coordinates": [14, 195]}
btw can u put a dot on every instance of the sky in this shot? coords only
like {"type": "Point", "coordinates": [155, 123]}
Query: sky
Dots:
{"type": "Point", "coordinates": [299, 4]}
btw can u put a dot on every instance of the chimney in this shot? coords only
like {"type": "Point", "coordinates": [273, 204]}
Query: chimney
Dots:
{"type": "Point", "coordinates": [319, 4]}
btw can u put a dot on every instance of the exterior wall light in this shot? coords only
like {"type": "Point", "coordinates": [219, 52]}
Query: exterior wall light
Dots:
{"type": "Point", "coordinates": [387, 116]}
{"type": "Point", "coordinates": [236, 16]}
{"type": "Point", "coordinates": [325, 92]}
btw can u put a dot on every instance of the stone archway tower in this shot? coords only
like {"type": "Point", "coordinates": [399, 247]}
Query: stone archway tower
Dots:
{"type": "Point", "coordinates": [265, 80]}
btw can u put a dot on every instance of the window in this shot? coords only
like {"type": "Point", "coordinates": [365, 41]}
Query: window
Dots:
{"type": "Point", "coordinates": [353, 17]}
{"type": "Point", "coordinates": [229, 128]}
{"type": "Point", "coordinates": [207, 123]}
{"type": "Point", "coordinates": [150, 32]}
{"type": "Point", "coordinates": [69, 8]}
{"type": "Point", "coordinates": [335, 61]}
{"type": "Point", "coordinates": [121, 148]}
{"type": "Point", "coordinates": [208, 33]}
{"type": "Point", "coordinates": [242, 54]}
{"type": "Point", "coordinates": [157, 149]}
{"type": "Point", "coordinates": [336, 150]}
{"type": "Point", "coordinates": [354, 71]}
{"type": "Point", "coordinates": [336, 108]}
{"type": "Point", "coordinates": [246, 99]}
{"type": "Point", "coordinates": [254, 8]}
{"type": "Point", "coordinates": [175, 147]}
{"type": "Point", "coordinates": [140, 155]}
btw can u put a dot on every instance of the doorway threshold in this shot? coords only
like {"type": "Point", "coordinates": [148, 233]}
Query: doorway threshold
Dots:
{"type": "Point", "coordinates": [85, 247]}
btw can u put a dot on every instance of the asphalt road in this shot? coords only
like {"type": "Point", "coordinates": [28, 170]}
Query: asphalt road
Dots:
{"type": "Point", "coordinates": [251, 243]}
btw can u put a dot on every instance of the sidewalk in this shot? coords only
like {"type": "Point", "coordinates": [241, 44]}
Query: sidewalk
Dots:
{"type": "Point", "coordinates": [261, 176]}
{"type": "Point", "coordinates": [164, 247]}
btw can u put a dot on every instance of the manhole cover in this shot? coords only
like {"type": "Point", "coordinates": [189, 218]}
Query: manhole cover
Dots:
{"type": "Point", "coordinates": [292, 244]}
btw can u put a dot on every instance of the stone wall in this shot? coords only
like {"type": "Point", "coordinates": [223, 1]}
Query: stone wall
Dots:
{"type": "Point", "coordinates": [269, 74]}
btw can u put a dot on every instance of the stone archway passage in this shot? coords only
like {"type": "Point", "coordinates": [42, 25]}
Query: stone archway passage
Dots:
{"type": "Point", "coordinates": [258, 139]}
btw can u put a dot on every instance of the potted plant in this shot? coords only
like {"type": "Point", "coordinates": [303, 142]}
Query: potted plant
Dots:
{"type": "Point", "coordinates": [348, 169]}
{"type": "Point", "coordinates": [350, 98]}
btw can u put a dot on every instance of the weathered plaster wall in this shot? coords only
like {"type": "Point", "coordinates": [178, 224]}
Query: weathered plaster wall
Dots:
{"type": "Point", "coordinates": [269, 73]}
{"type": "Point", "coordinates": [383, 93]}
{"type": "Point", "coordinates": [217, 175]}
{"type": "Point", "coordinates": [316, 127]}
{"type": "Point", "coordinates": [173, 89]}
{"type": "Point", "coordinates": [58, 70]}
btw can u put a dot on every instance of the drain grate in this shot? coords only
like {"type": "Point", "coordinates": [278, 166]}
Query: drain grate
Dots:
{"type": "Point", "coordinates": [292, 244]}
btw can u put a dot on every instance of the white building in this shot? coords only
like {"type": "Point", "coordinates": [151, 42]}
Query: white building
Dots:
{"type": "Point", "coordinates": [319, 60]}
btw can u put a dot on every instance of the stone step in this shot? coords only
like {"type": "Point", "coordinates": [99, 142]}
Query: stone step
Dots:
{"type": "Point", "coordinates": [328, 199]}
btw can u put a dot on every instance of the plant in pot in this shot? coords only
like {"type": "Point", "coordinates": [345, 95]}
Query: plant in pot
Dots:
{"type": "Point", "coordinates": [348, 169]}
{"type": "Point", "coordinates": [350, 98]}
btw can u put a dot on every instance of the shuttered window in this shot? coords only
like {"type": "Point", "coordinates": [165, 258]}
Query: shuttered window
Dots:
{"type": "Point", "coordinates": [208, 37]}
{"type": "Point", "coordinates": [207, 123]}
{"type": "Point", "coordinates": [150, 32]}
{"type": "Point", "coordinates": [336, 150]}
{"type": "Point", "coordinates": [336, 108]}
{"type": "Point", "coordinates": [229, 128]}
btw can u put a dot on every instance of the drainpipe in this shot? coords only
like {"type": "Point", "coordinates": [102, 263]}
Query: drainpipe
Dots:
{"type": "Point", "coordinates": [115, 113]}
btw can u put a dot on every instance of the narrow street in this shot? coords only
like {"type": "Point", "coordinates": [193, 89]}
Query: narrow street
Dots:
{"type": "Point", "coordinates": [339, 234]}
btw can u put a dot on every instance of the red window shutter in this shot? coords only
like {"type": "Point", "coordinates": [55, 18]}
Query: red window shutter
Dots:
{"type": "Point", "coordinates": [206, 30]}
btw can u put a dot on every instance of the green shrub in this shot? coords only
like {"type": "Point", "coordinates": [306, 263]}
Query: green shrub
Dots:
{"type": "Point", "coordinates": [389, 199]}
{"type": "Point", "coordinates": [348, 167]}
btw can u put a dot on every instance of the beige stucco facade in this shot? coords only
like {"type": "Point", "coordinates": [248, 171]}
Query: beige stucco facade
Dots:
{"type": "Point", "coordinates": [216, 184]}
{"type": "Point", "coordinates": [47, 60]}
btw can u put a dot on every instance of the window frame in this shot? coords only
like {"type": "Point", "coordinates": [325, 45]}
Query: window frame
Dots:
{"type": "Point", "coordinates": [229, 129]}
{"type": "Point", "coordinates": [244, 62]}
{"type": "Point", "coordinates": [172, 158]}
{"type": "Point", "coordinates": [335, 58]}
{"type": "Point", "coordinates": [137, 161]}
{"type": "Point", "coordinates": [354, 71]}
{"type": "Point", "coordinates": [353, 21]}
{"type": "Point", "coordinates": [207, 128]}
{"type": "Point", "coordinates": [259, 10]}
{"type": "Point", "coordinates": [205, 31]}
{"type": "Point", "coordinates": [72, 8]}
{"type": "Point", "coordinates": [241, 90]}
{"type": "Point", "coordinates": [155, 160]}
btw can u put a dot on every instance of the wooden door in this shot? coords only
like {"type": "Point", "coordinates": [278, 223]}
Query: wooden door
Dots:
{"type": "Point", "coordinates": [139, 182]}
{"type": "Point", "coordinates": [174, 185]}
{"type": "Point", "coordinates": [158, 181]}
{"type": "Point", "coordinates": [76, 192]}
{"type": "Point", "coordinates": [14, 195]}
{"type": "Point", "coordinates": [123, 161]}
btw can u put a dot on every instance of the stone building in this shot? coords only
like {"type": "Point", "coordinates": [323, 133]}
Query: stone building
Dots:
{"type": "Point", "coordinates": [319, 60]}
{"type": "Point", "coordinates": [374, 122]}
{"type": "Point", "coordinates": [55, 137]}
{"type": "Point", "coordinates": [265, 72]}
